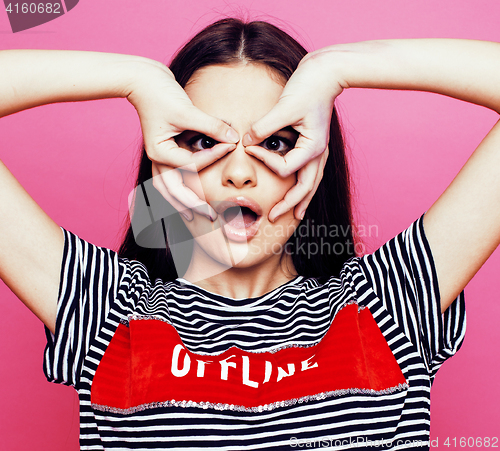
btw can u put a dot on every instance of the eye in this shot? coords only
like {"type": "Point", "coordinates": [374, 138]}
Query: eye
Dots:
{"type": "Point", "coordinates": [277, 144]}
{"type": "Point", "coordinates": [201, 142]}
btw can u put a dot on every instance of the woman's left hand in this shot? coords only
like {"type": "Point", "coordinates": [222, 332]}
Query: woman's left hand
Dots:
{"type": "Point", "coordinates": [306, 104]}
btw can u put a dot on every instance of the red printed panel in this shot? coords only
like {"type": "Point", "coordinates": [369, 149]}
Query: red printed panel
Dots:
{"type": "Point", "coordinates": [147, 362]}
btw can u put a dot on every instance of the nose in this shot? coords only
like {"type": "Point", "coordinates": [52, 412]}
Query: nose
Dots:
{"type": "Point", "coordinates": [239, 169]}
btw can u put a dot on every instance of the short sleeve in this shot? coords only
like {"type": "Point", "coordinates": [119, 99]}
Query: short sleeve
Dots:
{"type": "Point", "coordinates": [90, 279]}
{"type": "Point", "coordinates": [404, 278]}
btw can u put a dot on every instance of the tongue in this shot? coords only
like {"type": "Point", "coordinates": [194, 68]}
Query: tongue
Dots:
{"type": "Point", "coordinates": [239, 217]}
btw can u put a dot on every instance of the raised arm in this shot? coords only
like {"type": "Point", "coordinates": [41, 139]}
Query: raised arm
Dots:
{"type": "Point", "coordinates": [463, 226]}
{"type": "Point", "coordinates": [31, 244]}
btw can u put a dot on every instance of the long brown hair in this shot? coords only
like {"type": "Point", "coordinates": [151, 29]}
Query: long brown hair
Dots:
{"type": "Point", "coordinates": [324, 239]}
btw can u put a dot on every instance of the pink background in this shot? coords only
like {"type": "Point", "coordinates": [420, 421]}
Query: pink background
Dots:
{"type": "Point", "coordinates": [77, 162]}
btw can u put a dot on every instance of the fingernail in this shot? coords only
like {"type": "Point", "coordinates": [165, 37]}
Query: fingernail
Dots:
{"type": "Point", "coordinates": [210, 213]}
{"type": "Point", "coordinates": [302, 214]}
{"type": "Point", "coordinates": [247, 140]}
{"type": "Point", "coordinates": [232, 136]}
{"type": "Point", "coordinates": [186, 217]}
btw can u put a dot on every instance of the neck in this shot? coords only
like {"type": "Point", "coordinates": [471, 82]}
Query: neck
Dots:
{"type": "Point", "coordinates": [240, 282]}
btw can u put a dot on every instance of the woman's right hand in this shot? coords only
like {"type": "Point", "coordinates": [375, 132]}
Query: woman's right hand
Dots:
{"type": "Point", "coordinates": [165, 111]}
{"type": "Point", "coordinates": [31, 243]}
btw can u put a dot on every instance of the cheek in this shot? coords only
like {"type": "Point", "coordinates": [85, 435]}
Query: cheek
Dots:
{"type": "Point", "coordinates": [277, 187]}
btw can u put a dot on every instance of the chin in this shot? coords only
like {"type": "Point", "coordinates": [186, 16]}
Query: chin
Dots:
{"type": "Point", "coordinates": [241, 255]}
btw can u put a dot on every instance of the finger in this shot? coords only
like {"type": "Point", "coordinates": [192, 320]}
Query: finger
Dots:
{"type": "Point", "coordinates": [305, 184]}
{"type": "Point", "coordinates": [160, 186]}
{"type": "Point", "coordinates": [292, 161]}
{"type": "Point", "coordinates": [279, 117]}
{"type": "Point", "coordinates": [273, 161]}
{"type": "Point", "coordinates": [306, 148]}
{"type": "Point", "coordinates": [170, 154]}
{"type": "Point", "coordinates": [281, 164]}
{"type": "Point", "coordinates": [174, 184]}
{"type": "Point", "coordinates": [301, 207]}
{"type": "Point", "coordinates": [206, 157]}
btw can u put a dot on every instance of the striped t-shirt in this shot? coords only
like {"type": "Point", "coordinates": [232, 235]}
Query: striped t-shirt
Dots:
{"type": "Point", "coordinates": [346, 364]}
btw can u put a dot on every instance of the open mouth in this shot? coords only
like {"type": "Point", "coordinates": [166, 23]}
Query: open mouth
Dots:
{"type": "Point", "coordinates": [240, 217]}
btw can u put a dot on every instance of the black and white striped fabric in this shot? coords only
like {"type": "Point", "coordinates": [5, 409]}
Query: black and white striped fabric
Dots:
{"type": "Point", "coordinates": [397, 283]}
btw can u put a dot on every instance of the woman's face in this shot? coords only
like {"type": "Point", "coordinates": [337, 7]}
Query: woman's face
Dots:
{"type": "Point", "coordinates": [241, 188]}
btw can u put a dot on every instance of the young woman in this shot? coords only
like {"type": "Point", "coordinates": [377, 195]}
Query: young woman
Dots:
{"type": "Point", "coordinates": [273, 337]}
